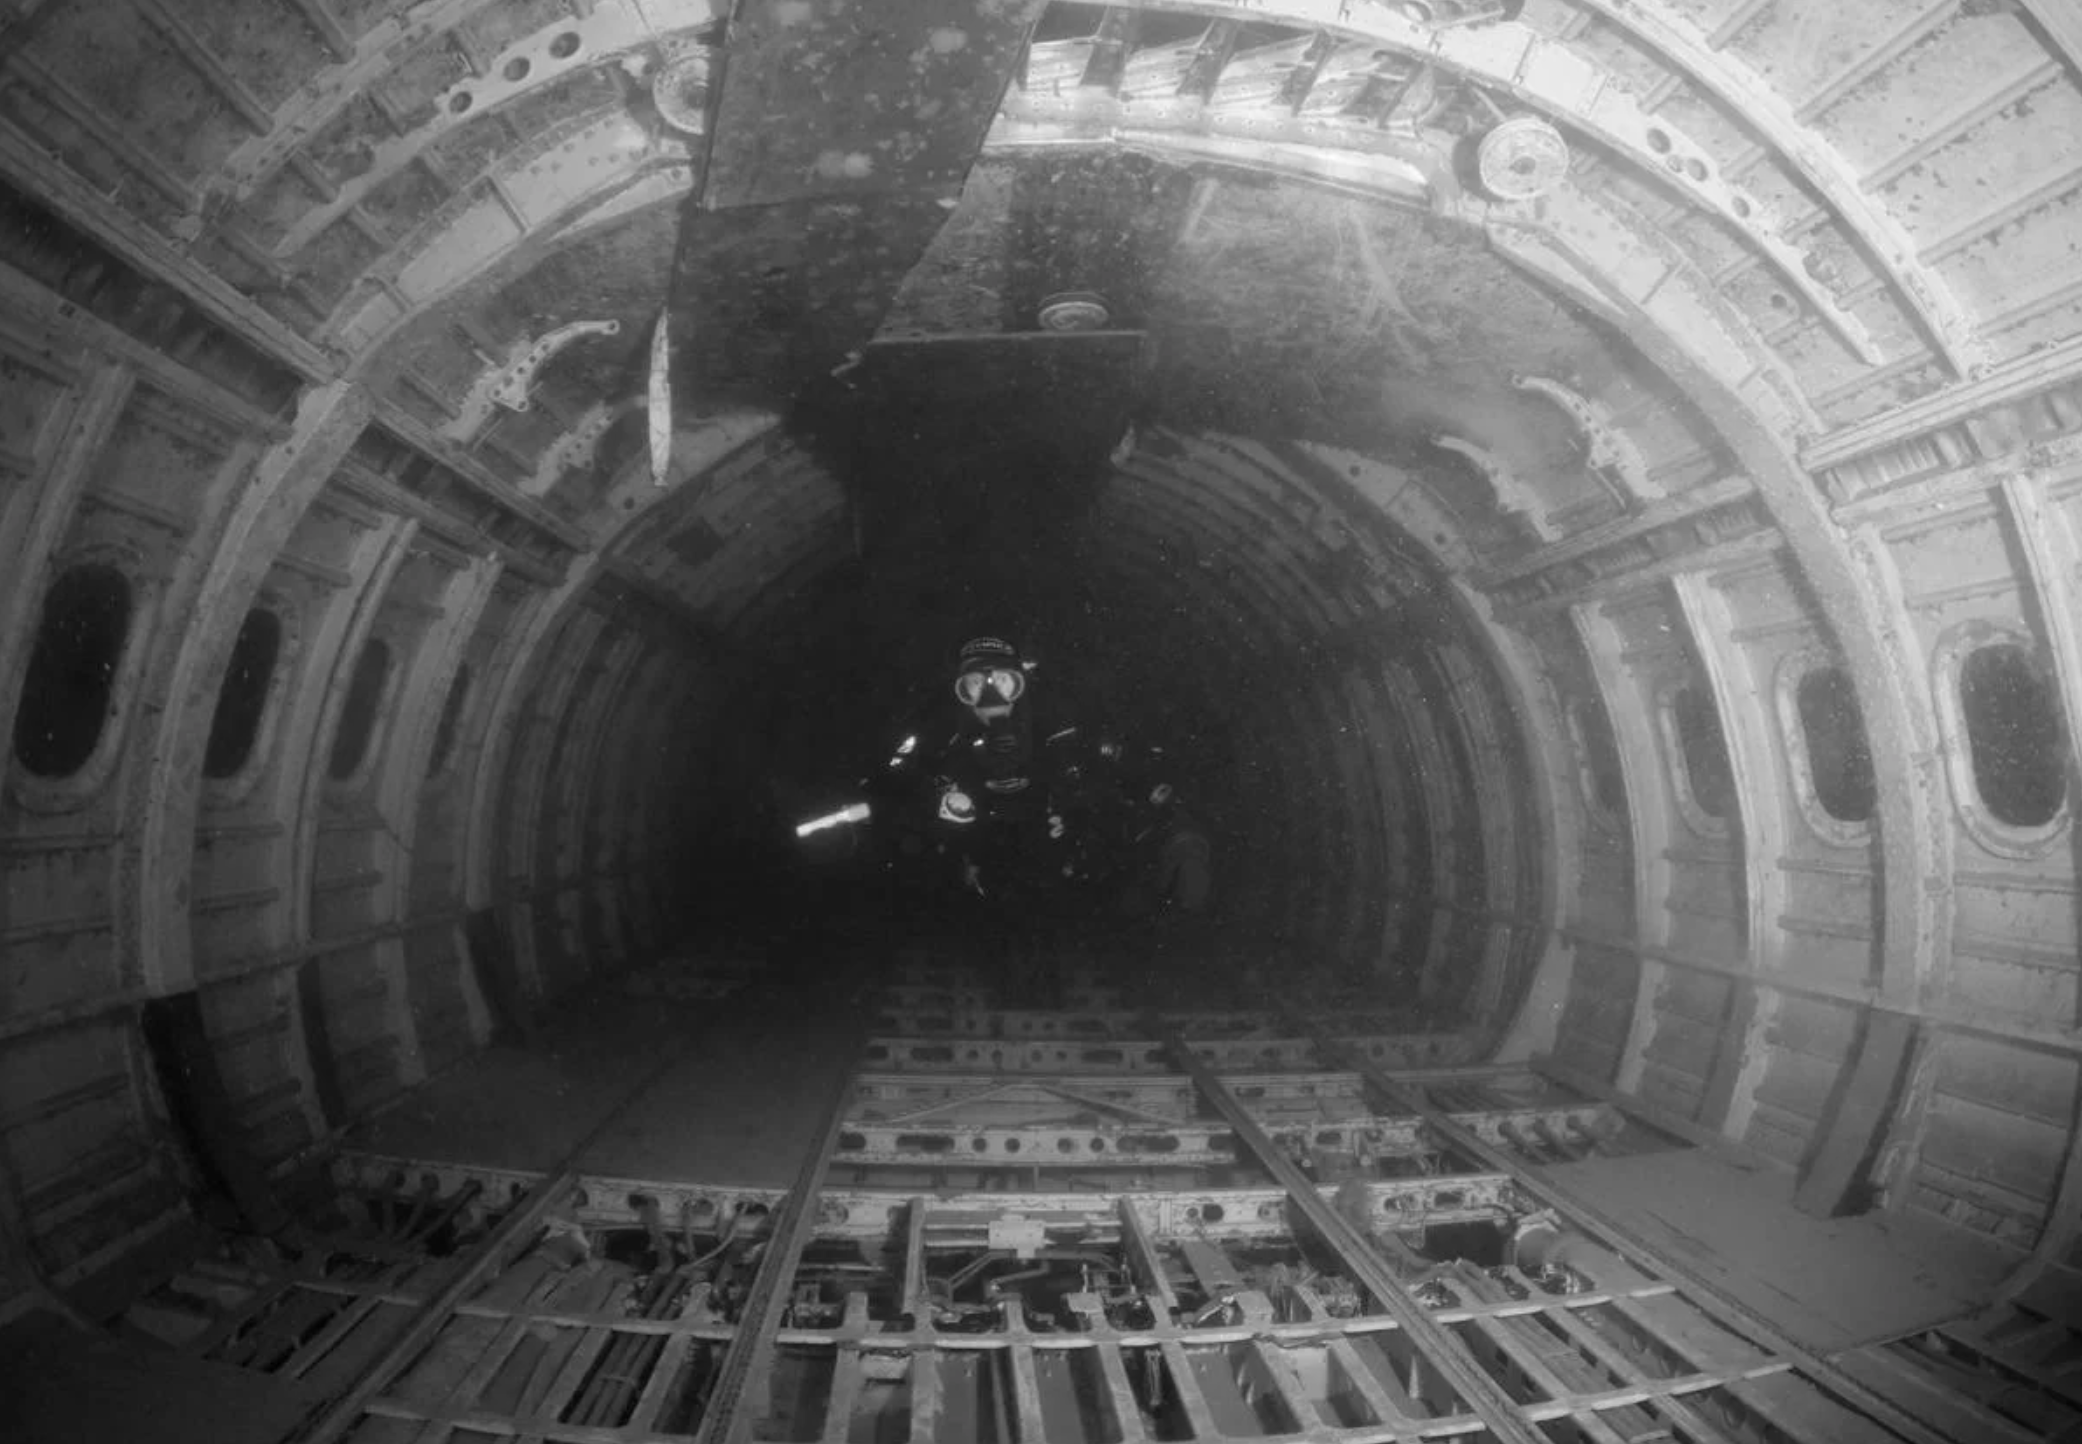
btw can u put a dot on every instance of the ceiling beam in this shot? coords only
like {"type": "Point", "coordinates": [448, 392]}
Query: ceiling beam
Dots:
{"type": "Point", "coordinates": [1937, 312]}
{"type": "Point", "coordinates": [27, 165]}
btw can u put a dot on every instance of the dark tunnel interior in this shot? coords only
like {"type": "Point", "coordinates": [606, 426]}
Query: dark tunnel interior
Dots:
{"type": "Point", "coordinates": [1037, 456]}
{"type": "Point", "coordinates": [987, 494]}
{"type": "Point", "coordinates": [1194, 688]}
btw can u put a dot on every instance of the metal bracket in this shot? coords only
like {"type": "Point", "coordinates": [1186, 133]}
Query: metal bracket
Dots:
{"type": "Point", "coordinates": [508, 385]}
{"type": "Point", "coordinates": [510, 388]}
{"type": "Point", "coordinates": [1613, 458]}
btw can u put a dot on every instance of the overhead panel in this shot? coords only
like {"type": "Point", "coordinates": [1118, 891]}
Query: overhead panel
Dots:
{"type": "Point", "coordinates": [1038, 225]}
{"type": "Point", "coordinates": [768, 298]}
{"type": "Point", "coordinates": [829, 98]}
{"type": "Point", "coordinates": [841, 137]}
{"type": "Point", "coordinates": [1093, 223]}
{"type": "Point", "coordinates": [1008, 367]}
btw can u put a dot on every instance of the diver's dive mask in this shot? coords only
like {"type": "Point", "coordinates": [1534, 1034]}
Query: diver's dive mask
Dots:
{"type": "Point", "coordinates": [990, 686]}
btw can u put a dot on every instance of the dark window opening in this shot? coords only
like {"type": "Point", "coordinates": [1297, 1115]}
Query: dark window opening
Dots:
{"type": "Point", "coordinates": [1608, 786]}
{"type": "Point", "coordinates": [1481, 1243]}
{"type": "Point", "coordinates": [451, 720]}
{"type": "Point", "coordinates": [1705, 751]}
{"type": "Point", "coordinates": [242, 698]}
{"type": "Point", "coordinates": [358, 715]}
{"type": "Point", "coordinates": [1839, 759]}
{"type": "Point", "coordinates": [70, 684]}
{"type": "Point", "coordinates": [2014, 732]}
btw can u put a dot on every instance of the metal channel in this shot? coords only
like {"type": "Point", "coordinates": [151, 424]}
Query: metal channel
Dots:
{"type": "Point", "coordinates": [513, 1230]}
{"type": "Point", "coordinates": [1467, 1378]}
{"type": "Point", "coordinates": [625, 1345]}
{"type": "Point", "coordinates": [607, 1356]}
{"type": "Point", "coordinates": [741, 1378]}
{"type": "Point", "coordinates": [519, 1225]}
{"type": "Point", "coordinates": [1697, 1292]}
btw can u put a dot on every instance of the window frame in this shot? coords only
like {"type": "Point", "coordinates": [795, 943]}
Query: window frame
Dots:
{"type": "Point", "coordinates": [1948, 666]}
{"type": "Point", "coordinates": [380, 722]}
{"type": "Point", "coordinates": [80, 787]}
{"type": "Point", "coordinates": [229, 791]}
{"type": "Point", "coordinates": [464, 677]}
{"type": "Point", "coordinates": [1605, 818]}
{"type": "Point", "coordinates": [1677, 764]}
{"type": "Point", "coordinates": [1793, 669]}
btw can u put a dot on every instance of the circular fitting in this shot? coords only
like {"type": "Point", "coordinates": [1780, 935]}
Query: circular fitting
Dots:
{"type": "Point", "coordinates": [680, 91]}
{"type": "Point", "coordinates": [1522, 158]}
{"type": "Point", "coordinates": [1073, 311]}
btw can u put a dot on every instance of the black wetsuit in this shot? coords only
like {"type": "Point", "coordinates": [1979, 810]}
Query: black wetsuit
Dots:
{"type": "Point", "coordinates": [1037, 816]}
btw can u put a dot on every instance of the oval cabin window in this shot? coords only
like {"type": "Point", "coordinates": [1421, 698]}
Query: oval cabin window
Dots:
{"type": "Point", "coordinates": [242, 698]}
{"type": "Point", "coordinates": [1706, 769]}
{"type": "Point", "coordinates": [358, 713]}
{"type": "Point", "coordinates": [2015, 735]}
{"type": "Point", "coordinates": [69, 688]}
{"type": "Point", "coordinates": [1839, 760]}
{"type": "Point", "coordinates": [451, 720]}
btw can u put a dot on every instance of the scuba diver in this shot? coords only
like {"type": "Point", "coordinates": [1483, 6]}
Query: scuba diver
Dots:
{"type": "Point", "coordinates": [1038, 813]}
{"type": "Point", "coordinates": [989, 769]}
